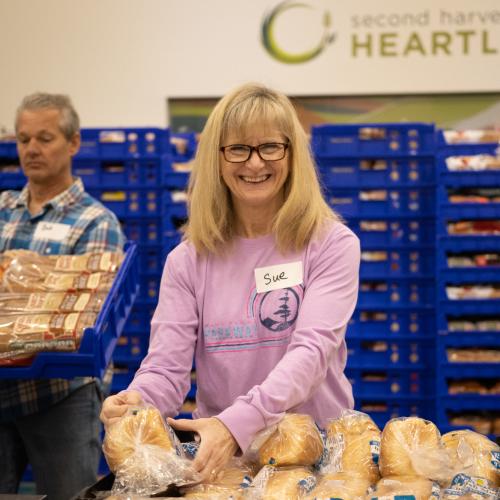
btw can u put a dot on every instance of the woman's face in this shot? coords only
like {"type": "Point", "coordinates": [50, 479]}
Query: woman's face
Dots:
{"type": "Point", "coordinates": [256, 183]}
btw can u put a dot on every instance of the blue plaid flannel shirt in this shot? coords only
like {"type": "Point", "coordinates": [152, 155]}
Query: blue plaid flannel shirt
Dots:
{"type": "Point", "coordinates": [93, 228]}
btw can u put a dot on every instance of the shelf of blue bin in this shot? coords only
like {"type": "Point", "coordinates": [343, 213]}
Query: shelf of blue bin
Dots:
{"type": "Point", "coordinates": [183, 146]}
{"type": "Point", "coordinates": [466, 325]}
{"type": "Point", "coordinates": [11, 174]}
{"type": "Point", "coordinates": [463, 148]}
{"type": "Point", "coordinates": [377, 172]}
{"type": "Point", "coordinates": [123, 374]}
{"type": "Point", "coordinates": [144, 230]}
{"type": "Point", "coordinates": [131, 347]}
{"type": "Point", "coordinates": [383, 411]}
{"type": "Point", "coordinates": [488, 274]}
{"type": "Point", "coordinates": [395, 263]}
{"type": "Point", "coordinates": [175, 180]}
{"type": "Point", "coordinates": [367, 353]}
{"type": "Point", "coordinates": [151, 260]}
{"type": "Point", "coordinates": [393, 233]}
{"type": "Point", "coordinates": [117, 143]}
{"type": "Point", "coordinates": [149, 286]}
{"type": "Point", "coordinates": [453, 230]}
{"type": "Point", "coordinates": [369, 139]}
{"type": "Point", "coordinates": [390, 382]}
{"type": "Point", "coordinates": [8, 149]}
{"type": "Point", "coordinates": [469, 307]}
{"type": "Point", "coordinates": [98, 343]}
{"type": "Point", "coordinates": [381, 322]}
{"type": "Point", "coordinates": [371, 203]}
{"type": "Point", "coordinates": [465, 210]}
{"type": "Point", "coordinates": [137, 202]}
{"type": "Point", "coordinates": [121, 173]}
{"type": "Point", "coordinates": [470, 402]}
{"type": "Point", "coordinates": [385, 292]}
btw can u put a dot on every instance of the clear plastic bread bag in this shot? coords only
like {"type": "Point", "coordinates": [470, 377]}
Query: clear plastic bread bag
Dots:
{"type": "Point", "coordinates": [411, 446]}
{"type": "Point", "coordinates": [145, 455]}
{"type": "Point", "coordinates": [31, 333]}
{"type": "Point", "coordinates": [295, 440]}
{"type": "Point", "coordinates": [27, 271]}
{"type": "Point", "coordinates": [340, 485]}
{"type": "Point", "coordinates": [405, 486]}
{"type": "Point", "coordinates": [473, 454]}
{"type": "Point", "coordinates": [280, 483]}
{"type": "Point", "coordinates": [352, 444]}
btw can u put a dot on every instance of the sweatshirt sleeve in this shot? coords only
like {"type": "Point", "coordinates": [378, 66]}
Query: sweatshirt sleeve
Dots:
{"type": "Point", "coordinates": [331, 290]}
{"type": "Point", "coordinates": [164, 378]}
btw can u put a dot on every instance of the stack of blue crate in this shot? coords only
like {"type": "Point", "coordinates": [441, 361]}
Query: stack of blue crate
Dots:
{"type": "Point", "coordinates": [381, 179]}
{"type": "Point", "coordinates": [123, 168]}
{"type": "Point", "coordinates": [176, 178]}
{"type": "Point", "coordinates": [468, 285]}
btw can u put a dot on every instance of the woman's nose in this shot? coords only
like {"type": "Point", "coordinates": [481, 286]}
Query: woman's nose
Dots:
{"type": "Point", "coordinates": [255, 160]}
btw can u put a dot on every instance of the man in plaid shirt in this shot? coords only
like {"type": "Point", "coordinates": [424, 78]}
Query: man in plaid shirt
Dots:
{"type": "Point", "coordinates": [52, 424]}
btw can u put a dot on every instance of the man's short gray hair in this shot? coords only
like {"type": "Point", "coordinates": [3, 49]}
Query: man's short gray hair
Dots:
{"type": "Point", "coordinates": [69, 122]}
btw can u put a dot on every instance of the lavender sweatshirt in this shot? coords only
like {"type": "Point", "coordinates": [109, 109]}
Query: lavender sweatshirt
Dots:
{"type": "Point", "coordinates": [257, 355]}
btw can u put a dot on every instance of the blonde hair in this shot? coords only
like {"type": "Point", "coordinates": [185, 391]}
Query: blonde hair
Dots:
{"type": "Point", "coordinates": [211, 222]}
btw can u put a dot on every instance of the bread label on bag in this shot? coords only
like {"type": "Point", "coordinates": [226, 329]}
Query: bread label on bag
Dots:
{"type": "Point", "coordinates": [278, 277]}
{"type": "Point", "coordinates": [51, 231]}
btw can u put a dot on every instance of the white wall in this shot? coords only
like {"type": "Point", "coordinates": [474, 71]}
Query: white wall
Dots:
{"type": "Point", "coordinates": [120, 59]}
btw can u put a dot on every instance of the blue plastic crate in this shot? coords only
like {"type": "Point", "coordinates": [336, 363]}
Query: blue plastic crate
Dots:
{"type": "Point", "coordinates": [11, 175]}
{"type": "Point", "coordinates": [149, 286]}
{"type": "Point", "coordinates": [123, 374]}
{"type": "Point", "coordinates": [122, 173]}
{"type": "Point", "coordinates": [372, 203]}
{"type": "Point", "coordinates": [381, 139]}
{"type": "Point", "coordinates": [174, 216]}
{"type": "Point", "coordinates": [383, 411]}
{"type": "Point", "coordinates": [144, 230]}
{"type": "Point", "coordinates": [383, 353]}
{"type": "Point", "coordinates": [151, 260]}
{"type": "Point", "coordinates": [463, 148]}
{"type": "Point", "coordinates": [377, 172]}
{"type": "Point", "coordinates": [465, 210]}
{"type": "Point", "coordinates": [8, 149]}
{"type": "Point", "coordinates": [183, 146]}
{"type": "Point", "coordinates": [466, 325]}
{"type": "Point", "coordinates": [445, 416]}
{"type": "Point", "coordinates": [397, 322]}
{"type": "Point", "coordinates": [393, 233]}
{"type": "Point", "coordinates": [139, 320]}
{"type": "Point", "coordinates": [390, 382]}
{"type": "Point", "coordinates": [471, 177]}
{"type": "Point", "coordinates": [98, 343]}
{"type": "Point", "coordinates": [393, 263]}
{"type": "Point", "coordinates": [131, 347]}
{"type": "Point", "coordinates": [175, 180]}
{"type": "Point", "coordinates": [471, 271]}
{"type": "Point", "coordinates": [468, 307]}
{"type": "Point", "coordinates": [130, 202]}
{"type": "Point", "coordinates": [478, 228]}
{"type": "Point", "coordinates": [407, 292]}
{"type": "Point", "coordinates": [118, 143]}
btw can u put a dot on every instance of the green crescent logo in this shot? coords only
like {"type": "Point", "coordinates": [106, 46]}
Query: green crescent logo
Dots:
{"type": "Point", "coordinates": [268, 37]}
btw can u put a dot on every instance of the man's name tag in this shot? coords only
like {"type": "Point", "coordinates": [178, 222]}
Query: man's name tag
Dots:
{"type": "Point", "coordinates": [51, 231]}
{"type": "Point", "coordinates": [277, 277]}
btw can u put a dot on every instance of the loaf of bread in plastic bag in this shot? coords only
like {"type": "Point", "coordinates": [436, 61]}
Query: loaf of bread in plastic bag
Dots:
{"type": "Point", "coordinates": [294, 441]}
{"type": "Point", "coordinates": [342, 485]}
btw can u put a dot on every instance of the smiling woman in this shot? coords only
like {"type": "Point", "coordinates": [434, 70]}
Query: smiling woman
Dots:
{"type": "Point", "coordinates": [250, 290]}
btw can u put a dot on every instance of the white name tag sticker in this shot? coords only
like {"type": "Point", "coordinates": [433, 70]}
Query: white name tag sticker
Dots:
{"type": "Point", "coordinates": [278, 277]}
{"type": "Point", "coordinates": [51, 231]}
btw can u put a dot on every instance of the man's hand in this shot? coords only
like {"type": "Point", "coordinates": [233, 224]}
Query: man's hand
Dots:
{"type": "Point", "coordinates": [117, 405]}
{"type": "Point", "coordinates": [217, 444]}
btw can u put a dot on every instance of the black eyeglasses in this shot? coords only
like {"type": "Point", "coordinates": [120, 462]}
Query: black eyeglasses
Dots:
{"type": "Point", "coordinates": [270, 151]}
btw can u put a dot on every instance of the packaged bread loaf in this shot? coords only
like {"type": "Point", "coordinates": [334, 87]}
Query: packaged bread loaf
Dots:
{"type": "Point", "coordinates": [340, 485]}
{"type": "Point", "coordinates": [279, 483]}
{"type": "Point", "coordinates": [213, 492]}
{"type": "Point", "coordinates": [352, 445]}
{"type": "Point", "coordinates": [26, 271]}
{"type": "Point", "coordinates": [418, 488]}
{"type": "Point", "coordinates": [144, 453]}
{"type": "Point", "coordinates": [411, 446]}
{"type": "Point", "coordinates": [295, 440]}
{"type": "Point", "coordinates": [29, 333]}
{"type": "Point", "coordinates": [473, 454]}
{"type": "Point", "coordinates": [39, 302]}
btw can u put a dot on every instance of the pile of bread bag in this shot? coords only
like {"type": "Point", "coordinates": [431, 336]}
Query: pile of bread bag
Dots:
{"type": "Point", "coordinates": [349, 460]}
{"type": "Point", "coordinates": [46, 302]}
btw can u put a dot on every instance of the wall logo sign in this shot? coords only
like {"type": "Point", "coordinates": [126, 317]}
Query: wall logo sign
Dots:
{"type": "Point", "coordinates": [280, 53]}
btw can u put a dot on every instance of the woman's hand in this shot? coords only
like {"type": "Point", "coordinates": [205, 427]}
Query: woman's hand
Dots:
{"type": "Point", "coordinates": [217, 444]}
{"type": "Point", "coordinates": [116, 406]}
